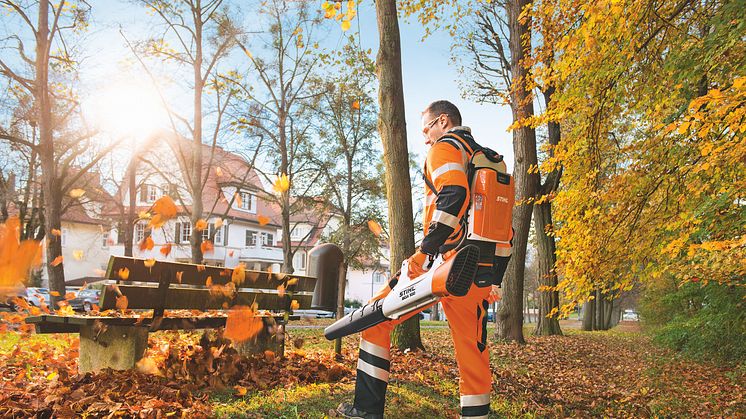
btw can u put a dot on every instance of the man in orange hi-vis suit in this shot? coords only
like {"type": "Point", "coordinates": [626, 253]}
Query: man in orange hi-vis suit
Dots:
{"type": "Point", "coordinates": [451, 146]}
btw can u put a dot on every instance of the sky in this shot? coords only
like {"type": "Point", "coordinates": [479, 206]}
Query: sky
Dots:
{"type": "Point", "coordinates": [428, 73]}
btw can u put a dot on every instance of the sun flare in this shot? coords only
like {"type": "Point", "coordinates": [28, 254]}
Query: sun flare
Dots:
{"type": "Point", "coordinates": [130, 108]}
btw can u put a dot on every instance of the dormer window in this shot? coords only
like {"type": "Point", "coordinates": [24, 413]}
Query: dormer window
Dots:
{"type": "Point", "coordinates": [246, 202]}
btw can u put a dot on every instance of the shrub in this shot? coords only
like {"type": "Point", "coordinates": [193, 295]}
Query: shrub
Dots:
{"type": "Point", "coordinates": [702, 321]}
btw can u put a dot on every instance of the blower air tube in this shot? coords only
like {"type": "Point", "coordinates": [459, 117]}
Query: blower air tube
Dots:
{"type": "Point", "coordinates": [462, 270]}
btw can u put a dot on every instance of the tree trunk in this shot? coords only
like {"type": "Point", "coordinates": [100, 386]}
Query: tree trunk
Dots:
{"type": "Point", "coordinates": [392, 128]}
{"type": "Point", "coordinates": [341, 303]}
{"type": "Point", "coordinates": [548, 300]}
{"type": "Point", "coordinates": [589, 312]}
{"type": "Point", "coordinates": [52, 184]}
{"type": "Point", "coordinates": [509, 324]}
{"type": "Point", "coordinates": [608, 309]}
{"type": "Point", "coordinates": [600, 303]}
{"type": "Point", "coordinates": [129, 224]}
{"type": "Point", "coordinates": [196, 167]}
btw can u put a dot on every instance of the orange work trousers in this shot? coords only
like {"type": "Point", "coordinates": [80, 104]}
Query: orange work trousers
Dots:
{"type": "Point", "coordinates": [467, 319]}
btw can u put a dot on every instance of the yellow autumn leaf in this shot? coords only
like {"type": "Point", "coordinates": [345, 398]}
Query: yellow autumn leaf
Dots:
{"type": "Point", "coordinates": [78, 254]}
{"type": "Point", "coordinates": [76, 193]}
{"type": "Point", "coordinates": [345, 25]}
{"type": "Point", "coordinates": [148, 263]}
{"type": "Point", "coordinates": [282, 183]}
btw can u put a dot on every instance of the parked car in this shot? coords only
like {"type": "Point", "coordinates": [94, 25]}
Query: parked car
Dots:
{"type": "Point", "coordinates": [86, 299]}
{"type": "Point", "coordinates": [318, 314]}
{"type": "Point", "coordinates": [36, 296]}
{"type": "Point", "coordinates": [630, 315]}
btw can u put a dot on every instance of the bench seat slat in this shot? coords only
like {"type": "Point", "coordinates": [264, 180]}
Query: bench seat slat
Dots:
{"type": "Point", "coordinates": [192, 274]}
{"type": "Point", "coordinates": [145, 297]}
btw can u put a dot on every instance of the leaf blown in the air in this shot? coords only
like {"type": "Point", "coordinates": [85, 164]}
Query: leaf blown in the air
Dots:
{"type": "Point", "coordinates": [282, 183]}
{"type": "Point", "coordinates": [164, 210]}
{"type": "Point", "coordinates": [17, 257]}
{"type": "Point", "coordinates": [263, 220]}
{"type": "Point", "coordinates": [146, 244]}
{"type": "Point", "coordinates": [242, 324]}
{"type": "Point", "coordinates": [374, 227]}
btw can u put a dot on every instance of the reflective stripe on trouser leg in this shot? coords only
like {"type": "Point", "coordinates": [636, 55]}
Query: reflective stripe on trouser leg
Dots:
{"type": "Point", "coordinates": [466, 318]}
{"type": "Point", "coordinates": [475, 405]}
{"type": "Point", "coordinates": [373, 367]}
{"type": "Point", "coordinates": [373, 363]}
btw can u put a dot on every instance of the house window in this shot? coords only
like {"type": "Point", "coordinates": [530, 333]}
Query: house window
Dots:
{"type": "Point", "coordinates": [298, 233]}
{"type": "Point", "coordinates": [251, 238]}
{"type": "Point", "coordinates": [379, 277]}
{"type": "Point", "coordinates": [105, 239]}
{"type": "Point", "coordinates": [185, 232]}
{"type": "Point", "coordinates": [208, 232]}
{"type": "Point", "coordinates": [148, 193]}
{"type": "Point", "coordinates": [247, 201]}
{"type": "Point", "coordinates": [170, 190]}
{"type": "Point", "coordinates": [139, 232]}
{"type": "Point", "coordinates": [268, 239]}
{"type": "Point", "coordinates": [299, 261]}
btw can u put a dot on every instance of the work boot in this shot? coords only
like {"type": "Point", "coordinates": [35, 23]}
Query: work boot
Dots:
{"type": "Point", "coordinates": [347, 410]}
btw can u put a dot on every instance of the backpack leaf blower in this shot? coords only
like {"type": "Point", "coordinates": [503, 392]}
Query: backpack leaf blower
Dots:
{"type": "Point", "coordinates": [450, 277]}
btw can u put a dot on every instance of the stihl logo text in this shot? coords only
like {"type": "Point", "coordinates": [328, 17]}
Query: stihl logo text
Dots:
{"type": "Point", "coordinates": [406, 293]}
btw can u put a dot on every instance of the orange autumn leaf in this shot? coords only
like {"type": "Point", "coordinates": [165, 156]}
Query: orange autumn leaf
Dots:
{"type": "Point", "coordinates": [230, 254]}
{"type": "Point", "coordinates": [164, 209]}
{"type": "Point", "coordinates": [356, 105]}
{"type": "Point", "coordinates": [263, 220]}
{"type": "Point", "coordinates": [149, 262]}
{"type": "Point", "coordinates": [269, 355]}
{"type": "Point", "coordinates": [294, 305]}
{"type": "Point", "coordinates": [57, 260]}
{"type": "Point", "coordinates": [242, 324]}
{"type": "Point", "coordinates": [240, 390]}
{"type": "Point", "coordinates": [179, 275]}
{"type": "Point", "coordinates": [124, 274]}
{"type": "Point", "coordinates": [56, 232]}
{"type": "Point", "coordinates": [208, 282]}
{"type": "Point", "coordinates": [206, 246]}
{"type": "Point", "coordinates": [146, 244]}
{"type": "Point", "coordinates": [17, 257]}
{"type": "Point", "coordinates": [122, 302]}
{"type": "Point", "coordinates": [219, 223]}
{"type": "Point", "coordinates": [219, 171]}
{"type": "Point", "coordinates": [239, 201]}
{"type": "Point", "coordinates": [200, 225]}
{"type": "Point", "coordinates": [166, 249]}
{"type": "Point", "coordinates": [281, 290]}
{"type": "Point", "coordinates": [200, 268]}
{"type": "Point", "coordinates": [374, 227]}
{"type": "Point", "coordinates": [54, 293]}
{"type": "Point", "coordinates": [148, 366]}
{"type": "Point", "coordinates": [238, 276]}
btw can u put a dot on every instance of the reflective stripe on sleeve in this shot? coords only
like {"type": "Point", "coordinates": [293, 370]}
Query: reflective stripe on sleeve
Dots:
{"type": "Point", "coordinates": [375, 372]}
{"type": "Point", "coordinates": [445, 218]}
{"type": "Point", "coordinates": [447, 167]}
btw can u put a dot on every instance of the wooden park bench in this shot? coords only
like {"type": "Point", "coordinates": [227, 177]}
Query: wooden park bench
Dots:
{"type": "Point", "coordinates": [119, 342]}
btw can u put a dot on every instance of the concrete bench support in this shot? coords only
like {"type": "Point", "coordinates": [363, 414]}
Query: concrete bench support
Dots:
{"type": "Point", "coordinates": [116, 347]}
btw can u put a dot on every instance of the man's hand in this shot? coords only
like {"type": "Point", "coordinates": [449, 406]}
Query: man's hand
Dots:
{"type": "Point", "coordinates": [418, 264]}
{"type": "Point", "coordinates": [496, 294]}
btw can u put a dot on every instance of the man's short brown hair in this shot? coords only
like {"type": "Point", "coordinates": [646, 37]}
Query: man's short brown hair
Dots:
{"type": "Point", "coordinates": [444, 107]}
